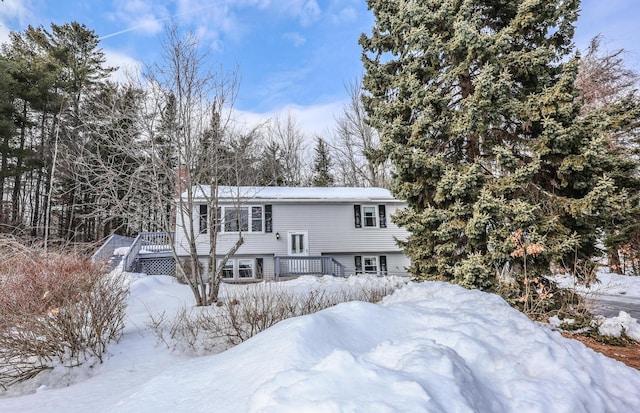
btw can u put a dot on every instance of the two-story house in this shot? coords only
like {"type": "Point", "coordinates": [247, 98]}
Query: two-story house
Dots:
{"type": "Point", "coordinates": [293, 231]}
{"type": "Point", "coordinates": [286, 231]}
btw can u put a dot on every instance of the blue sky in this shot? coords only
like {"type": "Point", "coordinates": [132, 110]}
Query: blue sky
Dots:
{"type": "Point", "coordinates": [292, 55]}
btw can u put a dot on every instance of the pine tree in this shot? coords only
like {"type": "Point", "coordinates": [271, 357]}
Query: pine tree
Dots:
{"type": "Point", "coordinates": [478, 111]}
{"type": "Point", "coordinates": [82, 76]}
{"type": "Point", "coordinates": [8, 116]}
{"type": "Point", "coordinates": [37, 101]}
{"type": "Point", "coordinates": [608, 85]}
{"type": "Point", "coordinates": [322, 165]}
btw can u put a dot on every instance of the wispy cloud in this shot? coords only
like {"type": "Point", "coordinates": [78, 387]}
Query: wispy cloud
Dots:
{"type": "Point", "coordinates": [14, 15]}
{"type": "Point", "coordinates": [305, 11]}
{"type": "Point", "coordinates": [295, 38]}
{"type": "Point", "coordinates": [19, 10]}
{"type": "Point", "coordinates": [127, 66]}
{"type": "Point", "coordinates": [309, 12]}
{"type": "Point", "coordinates": [280, 85]}
{"type": "Point", "coordinates": [143, 16]}
{"type": "Point", "coordinates": [312, 120]}
{"type": "Point", "coordinates": [344, 15]}
{"type": "Point", "coordinates": [210, 20]}
{"type": "Point", "coordinates": [219, 18]}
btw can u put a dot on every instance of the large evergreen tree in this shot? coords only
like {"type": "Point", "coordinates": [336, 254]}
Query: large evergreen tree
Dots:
{"type": "Point", "coordinates": [607, 84]}
{"type": "Point", "coordinates": [477, 107]}
{"type": "Point", "coordinates": [32, 98]}
{"type": "Point", "coordinates": [81, 77]}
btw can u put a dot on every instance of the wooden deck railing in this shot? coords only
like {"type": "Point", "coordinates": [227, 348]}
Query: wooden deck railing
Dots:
{"type": "Point", "coordinates": [146, 242]}
{"type": "Point", "coordinates": [159, 242]}
{"type": "Point", "coordinates": [291, 266]}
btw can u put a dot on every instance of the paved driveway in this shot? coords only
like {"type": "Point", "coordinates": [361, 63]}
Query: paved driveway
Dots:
{"type": "Point", "coordinates": [611, 305]}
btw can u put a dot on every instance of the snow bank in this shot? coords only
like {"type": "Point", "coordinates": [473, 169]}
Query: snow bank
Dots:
{"type": "Point", "coordinates": [430, 347]}
{"type": "Point", "coordinates": [615, 326]}
{"type": "Point", "coordinates": [608, 286]}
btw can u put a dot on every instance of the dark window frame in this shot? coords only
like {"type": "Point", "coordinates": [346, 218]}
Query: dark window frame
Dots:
{"type": "Point", "coordinates": [203, 222]}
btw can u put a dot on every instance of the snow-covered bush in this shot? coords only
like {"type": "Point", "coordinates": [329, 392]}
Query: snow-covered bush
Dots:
{"type": "Point", "coordinates": [245, 312]}
{"type": "Point", "coordinates": [57, 309]}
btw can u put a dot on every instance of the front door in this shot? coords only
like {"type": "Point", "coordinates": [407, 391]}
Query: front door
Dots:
{"type": "Point", "coordinates": [298, 244]}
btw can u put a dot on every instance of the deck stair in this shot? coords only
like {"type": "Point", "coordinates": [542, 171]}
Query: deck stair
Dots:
{"type": "Point", "coordinates": [110, 251]}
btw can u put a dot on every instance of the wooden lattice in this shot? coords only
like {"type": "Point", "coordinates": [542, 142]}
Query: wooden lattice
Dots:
{"type": "Point", "coordinates": [158, 266]}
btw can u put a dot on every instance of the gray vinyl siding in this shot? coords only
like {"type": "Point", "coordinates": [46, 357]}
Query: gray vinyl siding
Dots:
{"type": "Point", "coordinates": [330, 226]}
{"type": "Point", "coordinates": [331, 232]}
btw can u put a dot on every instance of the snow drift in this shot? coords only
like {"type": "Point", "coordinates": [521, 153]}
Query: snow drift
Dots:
{"type": "Point", "coordinates": [430, 347]}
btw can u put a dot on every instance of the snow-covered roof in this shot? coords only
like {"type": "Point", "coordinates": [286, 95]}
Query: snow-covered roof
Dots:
{"type": "Point", "coordinates": [309, 194]}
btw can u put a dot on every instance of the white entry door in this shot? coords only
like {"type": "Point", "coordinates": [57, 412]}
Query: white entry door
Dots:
{"type": "Point", "coordinates": [298, 243]}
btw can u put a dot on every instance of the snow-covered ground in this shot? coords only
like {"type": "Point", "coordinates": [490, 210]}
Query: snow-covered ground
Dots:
{"type": "Point", "coordinates": [608, 284]}
{"type": "Point", "coordinates": [609, 287]}
{"type": "Point", "coordinates": [430, 347]}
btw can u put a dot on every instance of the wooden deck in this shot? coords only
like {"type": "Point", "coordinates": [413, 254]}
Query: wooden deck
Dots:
{"type": "Point", "coordinates": [151, 253]}
{"type": "Point", "coordinates": [286, 266]}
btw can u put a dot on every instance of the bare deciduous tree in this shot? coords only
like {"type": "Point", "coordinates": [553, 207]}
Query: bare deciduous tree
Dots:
{"type": "Point", "coordinates": [604, 78]}
{"type": "Point", "coordinates": [180, 151]}
{"type": "Point", "coordinates": [201, 120]}
{"type": "Point", "coordinates": [356, 146]}
{"type": "Point", "coordinates": [285, 137]}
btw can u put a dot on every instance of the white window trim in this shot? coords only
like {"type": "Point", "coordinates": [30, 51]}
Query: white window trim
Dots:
{"type": "Point", "coordinates": [223, 213]}
{"type": "Point", "coordinates": [235, 264]}
{"type": "Point", "coordinates": [252, 263]}
{"type": "Point", "coordinates": [375, 216]}
{"type": "Point", "coordinates": [377, 262]}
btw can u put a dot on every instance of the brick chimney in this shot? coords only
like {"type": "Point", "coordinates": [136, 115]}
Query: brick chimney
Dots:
{"type": "Point", "coordinates": [182, 181]}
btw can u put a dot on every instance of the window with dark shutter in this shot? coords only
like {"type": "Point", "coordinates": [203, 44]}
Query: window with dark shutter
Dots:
{"type": "Point", "coordinates": [369, 216]}
{"type": "Point", "coordinates": [382, 214]}
{"type": "Point", "coordinates": [203, 227]}
{"type": "Point", "coordinates": [383, 265]}
{"type": "Point", "coordinates": [268, 218]}
{"type": "Point", "coordinates": [357, 215]}
{"type": "Point", "coordinates": [358, 264]}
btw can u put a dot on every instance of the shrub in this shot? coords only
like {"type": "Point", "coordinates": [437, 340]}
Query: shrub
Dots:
{"type": "Point", "coordinates": [186, 266]}
{"type": "Point", "coordinates": [245, 312]}
{"type": "Point", "coordinates": [56, 309]}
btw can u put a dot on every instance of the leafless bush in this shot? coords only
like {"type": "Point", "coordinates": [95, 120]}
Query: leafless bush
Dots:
{"type": "Point", "coordinates": [186, 266]}
{"type": "Point", "coordinates": [181, 332]}
{"type": "Point", "coordinates": [55, 309]}
{"type": "Point", "coordinates": [246, 312]}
